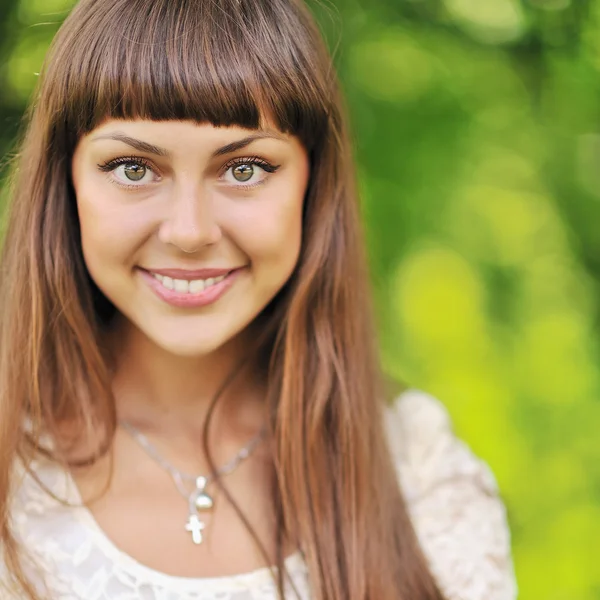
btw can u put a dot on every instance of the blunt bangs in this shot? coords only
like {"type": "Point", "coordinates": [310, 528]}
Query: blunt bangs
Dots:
{"type": "Point", "coordinates": [224, 62]}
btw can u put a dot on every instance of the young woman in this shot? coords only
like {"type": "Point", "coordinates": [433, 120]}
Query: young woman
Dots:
{"type": "Point", "coordinates": [189, 390]}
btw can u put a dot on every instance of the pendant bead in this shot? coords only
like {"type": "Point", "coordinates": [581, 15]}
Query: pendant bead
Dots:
{"type": "Point", "coordinates": [200, 499]}
{"type": "Point", "coordinates": [203, 501]}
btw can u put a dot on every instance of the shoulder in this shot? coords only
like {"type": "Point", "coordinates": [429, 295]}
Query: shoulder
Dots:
{"type": "Point", "coordinates": [453, 500]}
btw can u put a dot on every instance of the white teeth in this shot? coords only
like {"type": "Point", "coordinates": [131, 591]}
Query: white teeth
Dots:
{"type": "Point", "coordinates": [181, 285]}
{"type": "Point", "coordinates": [197, 286]}
{"type": "Point", "coordinates": [188, 287]}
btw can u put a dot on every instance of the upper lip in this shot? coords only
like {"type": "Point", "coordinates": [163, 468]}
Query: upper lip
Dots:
{"type": "Point", "coordinates": [193, 274]}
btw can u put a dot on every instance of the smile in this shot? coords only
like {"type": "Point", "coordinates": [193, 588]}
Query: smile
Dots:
{"type": "Point", "coordinates": [189, 293]}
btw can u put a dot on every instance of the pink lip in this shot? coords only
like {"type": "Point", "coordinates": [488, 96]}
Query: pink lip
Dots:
{"type": "Point", "coordinates": [186, 300]}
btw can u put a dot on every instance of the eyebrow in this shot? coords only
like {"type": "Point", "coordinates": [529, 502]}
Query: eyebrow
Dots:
{"type": "Point", "coordinates": [142, 146]}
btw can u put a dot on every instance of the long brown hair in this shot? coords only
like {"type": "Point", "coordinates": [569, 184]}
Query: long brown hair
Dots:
{"type": "Point", "coordinates": [222, 62]}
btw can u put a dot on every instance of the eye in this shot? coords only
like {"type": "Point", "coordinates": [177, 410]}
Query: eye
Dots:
{"type": "Point", "coordinates": [248, 172]}
{"type": "Point", "coordinates": [130, 171]}
{"type": "Point", "coordinates": [134, 172]}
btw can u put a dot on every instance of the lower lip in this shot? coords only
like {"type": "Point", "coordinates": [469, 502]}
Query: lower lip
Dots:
{"type": "Point", "coordinates": [186, 300]}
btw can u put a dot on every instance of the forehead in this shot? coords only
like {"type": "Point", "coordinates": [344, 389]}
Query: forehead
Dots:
{"type": "Point", "coordinates": [180, 131]}
{"type": "Point", "coordinates": [181, 140]}
{"type": "Point", "coordinates": [182, 126]}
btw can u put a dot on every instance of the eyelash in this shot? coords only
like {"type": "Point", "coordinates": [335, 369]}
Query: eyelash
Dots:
{"type": "Point", "coordinates": [111, 165]}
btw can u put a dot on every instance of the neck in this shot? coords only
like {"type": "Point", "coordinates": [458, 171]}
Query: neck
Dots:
{"type": "Point", "coordinates": [171, 395]}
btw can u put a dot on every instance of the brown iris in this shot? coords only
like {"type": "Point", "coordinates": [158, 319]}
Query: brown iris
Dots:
{"type": "Point", "coordinates": [135, 172]}
{"type": "Point", "coordinates": [243, 172]}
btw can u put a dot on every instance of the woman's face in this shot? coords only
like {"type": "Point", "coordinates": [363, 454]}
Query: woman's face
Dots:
{"type": "Point", "coordinates": [217, 210]}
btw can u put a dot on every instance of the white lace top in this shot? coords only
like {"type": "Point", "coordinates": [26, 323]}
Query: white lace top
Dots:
{"type": "Point", "coordinates": [452, 498]}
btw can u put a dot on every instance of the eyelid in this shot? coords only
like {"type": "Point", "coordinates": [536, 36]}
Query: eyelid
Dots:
{"type": "Point", "coordinates": [249, 160]}
{"type": "Point", "coordinates": [112, 164]}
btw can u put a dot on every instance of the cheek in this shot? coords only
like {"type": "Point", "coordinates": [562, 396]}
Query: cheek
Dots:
{"type": "Point", "coordinates": [102, 233]}
{"type": "Point", "coordinates": [110, 230]}
{"type": "Point", "coordinates": [270, 233]}
{"type": "Point", "coordinates": [276, 226]}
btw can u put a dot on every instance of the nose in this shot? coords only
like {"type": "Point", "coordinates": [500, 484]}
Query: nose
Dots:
{"type": "Point", "coordinates": [190, 223]}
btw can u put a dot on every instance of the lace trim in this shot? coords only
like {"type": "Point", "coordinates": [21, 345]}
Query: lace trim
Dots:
{"type": "Point", "coordinates": [452, 498]}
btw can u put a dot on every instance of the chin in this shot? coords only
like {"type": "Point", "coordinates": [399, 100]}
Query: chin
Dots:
{"type": "Point", "coordinates": [190, 346]}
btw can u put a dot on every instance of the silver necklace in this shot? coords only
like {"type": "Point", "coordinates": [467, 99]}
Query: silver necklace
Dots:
{"type": "Point", "coordinates": [198, 499]}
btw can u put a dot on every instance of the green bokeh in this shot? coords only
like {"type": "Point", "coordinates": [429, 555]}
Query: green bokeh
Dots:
{"type": "Point", "coordinates": [476, 127]}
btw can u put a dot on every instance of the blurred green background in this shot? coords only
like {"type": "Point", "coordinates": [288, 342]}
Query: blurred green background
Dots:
{"type": "Point", "coordinates": [478, 145]}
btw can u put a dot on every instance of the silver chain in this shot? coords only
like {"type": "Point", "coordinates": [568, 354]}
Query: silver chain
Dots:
{"type": "Point", "coordinates": [179, 476]}
{"type": "Point", "coordinates": [199, 501]}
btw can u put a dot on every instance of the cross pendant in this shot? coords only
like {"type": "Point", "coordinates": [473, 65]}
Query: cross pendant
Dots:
{"type": "Point", "coordinates": [195, 526]}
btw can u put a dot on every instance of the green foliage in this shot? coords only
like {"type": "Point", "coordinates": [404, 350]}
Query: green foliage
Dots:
{"type": "Point", "coordinates": [476, 127]}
